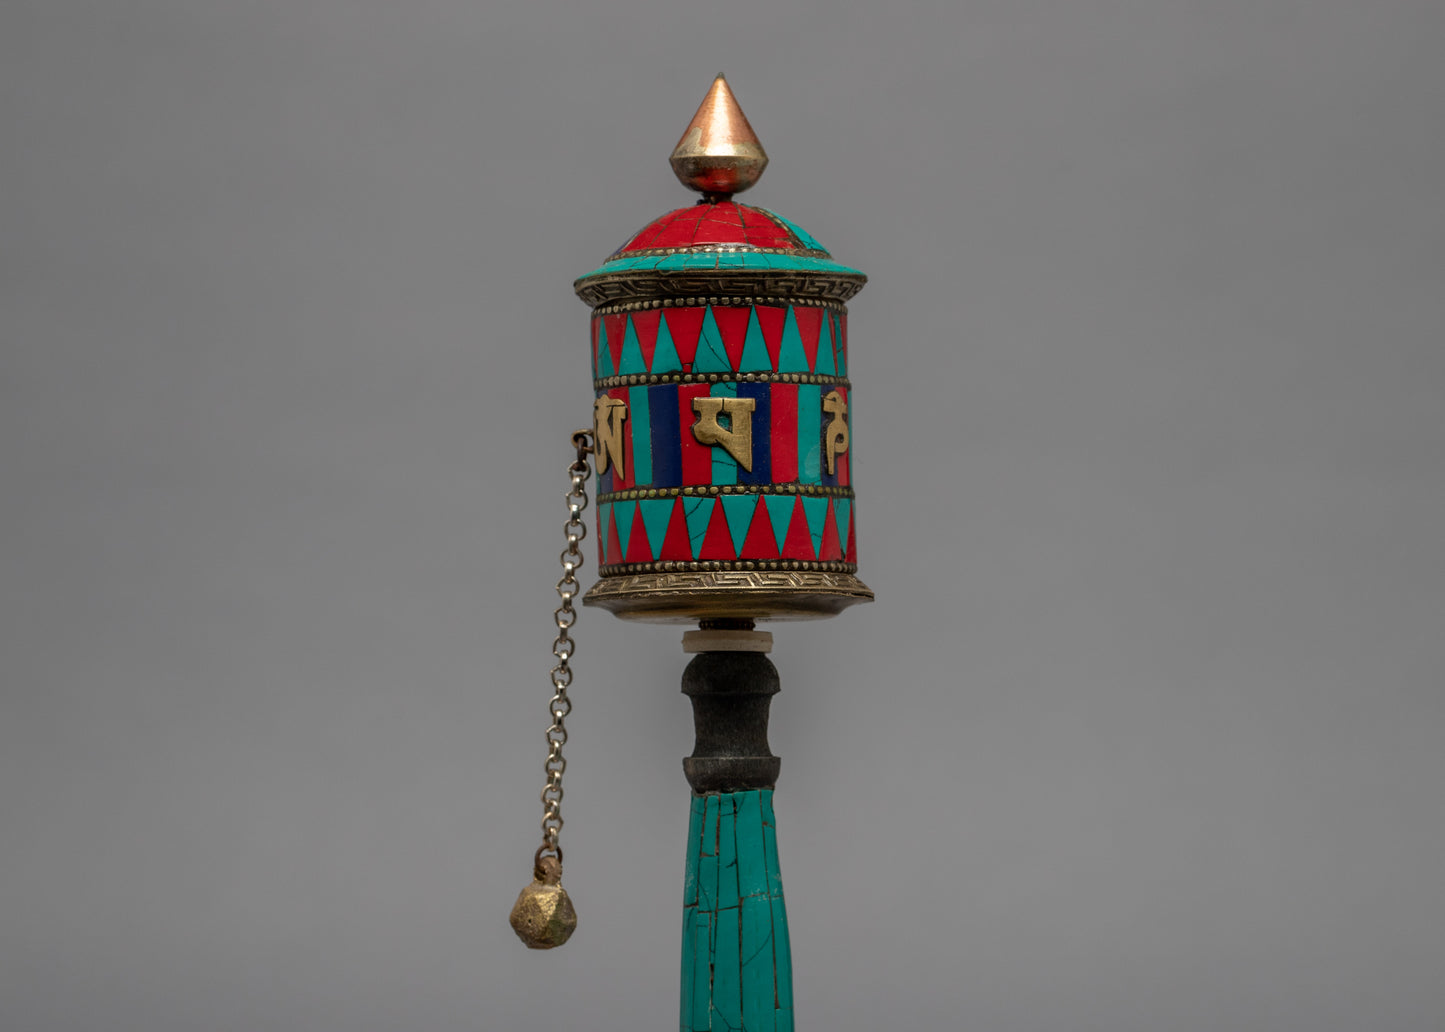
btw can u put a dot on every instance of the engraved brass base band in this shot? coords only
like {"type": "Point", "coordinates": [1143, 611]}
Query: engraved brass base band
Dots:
{"type": "Point", "coordinates": [687, 596]}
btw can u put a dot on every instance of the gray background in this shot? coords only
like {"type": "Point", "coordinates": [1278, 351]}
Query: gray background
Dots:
{"type": "Point", "coordinates": [1144, 730]}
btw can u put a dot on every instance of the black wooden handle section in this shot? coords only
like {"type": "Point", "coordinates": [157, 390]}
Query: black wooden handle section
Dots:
{"type": "Point", "coordinates": [730, 693]}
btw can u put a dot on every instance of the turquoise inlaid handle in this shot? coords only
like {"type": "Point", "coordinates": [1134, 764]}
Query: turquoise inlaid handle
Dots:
{"type": "Point", "coordinates": [737, 969]}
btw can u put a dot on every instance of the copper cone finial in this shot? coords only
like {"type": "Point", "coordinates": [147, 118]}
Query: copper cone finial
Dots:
{"type": "Point", "coordinates": [719, 154]}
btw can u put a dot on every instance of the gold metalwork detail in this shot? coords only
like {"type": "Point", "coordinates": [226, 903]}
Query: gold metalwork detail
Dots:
{"type": "Point", "coordinates": [608, 415]}
{"type": "Point", "coordinates": [663, 252]}
{"type": "Point", "coordinates": [835, 434]}
{"type": "Point", "coordinates": [729, 302]}
{"type": "Point", "coordinates": [710, 565]}
{"type": "Point", "coordinates": [687, 596]}
{"type": "Point", "coordinates": [737, 438]}
{"type": "Point", "coordinates": [543, 916]}
{"type": "Point", "coordinates": [719, 154]}
{"type": "Point", "coordinates": [649, 379]}
{"type": "Point", "coordinates": [644, 285]}
{"type": "Point", "coordinates": [633, 494]}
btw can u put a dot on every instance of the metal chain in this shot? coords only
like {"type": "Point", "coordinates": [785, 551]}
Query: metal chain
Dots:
{"type": "Point", "coordinates": [563, 647]}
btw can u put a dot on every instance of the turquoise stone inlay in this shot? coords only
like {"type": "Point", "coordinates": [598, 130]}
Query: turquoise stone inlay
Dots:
{"type": "Point", "coordinates": [815, 510]}
{"type": "Point", "coordinates": [699, 513]}
{"type": "Point", "coordinates": [805, 238]}
{"type": "Point", "coordinates": [604, 514]}
{"type": "Point", "coordinates": [843, 510]}
{"type": "Point", "coordinates": [791, 356]}
{"type": "Point", "coordinates": [604, 354]}
{"type": "Point", "coordinates": [631, 360]}
{"type": "Point", "coordinates": [712, 355]}
{"type": "Point", "coordinates": [656, 513]}
{"type": "Point", "coordinates": [665, 358]}
{"type": "Point", "coordinates": [639, 414]}
{"type": "Point", "coordinates": [780, 514]}
{"type": "Point", "coordinates": [825, 366]}
{"type": "Point", "coordinates": [755, 350]}
{"type": "Point", "coordinates": [710, 260]}
{"type": "Point", "coordinates": [623, 512]}
{"type": "Point", "coordinates": [810, 434]}
{"type": "Point", "coordinates": [736, 956]}
{"type": "Point", "coordinates": [739, 510]}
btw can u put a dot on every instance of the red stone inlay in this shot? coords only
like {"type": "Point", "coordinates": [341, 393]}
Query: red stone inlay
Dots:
{"type": "Point", "coordinates": [696, 456]}
{"type": "Point", "coordinates": [645, 323]}
{"type": "Point", "coordinates": [799, 542]}
{"type": "Point", "coordinates": [718, 543]}
{"type": "Point", "coordinates": [831, 548]}
{"type": "Point", "coordinates": [724, 223]}
{"type": "Point", "coordinates": [685, 326]}
{"type": "Point", "coordinates": [770, 321]}
{"type": "Point", "coordinates": [732, 324]}
{"type": "Point", "coordinates": [616, 328]}
{"type": "Point", "coordinates": [785, 433]}
{"type": "Point", "coordinates": [677, 544]}
{"type": "Point", "coordinates": [810, 321]}
{"type": "Point", "coordinates": [639, 549]}
{"type": "Point", "coordinates": [760, 542]}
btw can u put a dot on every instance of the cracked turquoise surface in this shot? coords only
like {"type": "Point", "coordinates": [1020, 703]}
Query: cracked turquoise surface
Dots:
{"type": "Point", "coordinates": [708, 261]}
{"type": "Point", "coordinates": [736, 958]}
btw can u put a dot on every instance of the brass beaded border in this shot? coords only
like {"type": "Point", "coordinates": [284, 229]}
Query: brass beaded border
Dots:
{"type": "Point", "coordinates": [713, 490]}
{"type": "Point", "coordinates": [727, 566]}
{"type": "Point", "coordinates": [725, 302]}
{"type": "Point", "coordinates": [652, 379]}
{"type": "Point", "coordinates": [663, 252]}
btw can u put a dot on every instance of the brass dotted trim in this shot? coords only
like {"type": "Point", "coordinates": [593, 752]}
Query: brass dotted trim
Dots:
{"type": "Point", "coordinates": [712, 490]}
{"type": "Point", "coordinates": [648, 379]}
{"type": "Point", "coordinates": [730, 565]}
{"type": "Point", "coordinates": [725, 302]}
{"type": "Point", "coordinates": [662, 252]}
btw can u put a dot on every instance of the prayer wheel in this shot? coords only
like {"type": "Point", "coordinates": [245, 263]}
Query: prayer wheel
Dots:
{"type": "Point", "coordinates": [723, 421]}
{"type": "Point", "coordinates": [722, 439]}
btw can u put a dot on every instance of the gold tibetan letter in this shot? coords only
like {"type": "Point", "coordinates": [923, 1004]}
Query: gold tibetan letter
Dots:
{"type": "Point", "coordinates": [836, 432]}
{"type": "Point", "coordinates": [737, 440]}
{"type": "Point", "coordinates": [607, 417]}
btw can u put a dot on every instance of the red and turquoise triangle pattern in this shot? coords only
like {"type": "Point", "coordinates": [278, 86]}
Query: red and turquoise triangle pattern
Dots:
{"type": "Point", "coordinates": [814, 528]}
{"type": "Point", "coordinates": [721, 339]}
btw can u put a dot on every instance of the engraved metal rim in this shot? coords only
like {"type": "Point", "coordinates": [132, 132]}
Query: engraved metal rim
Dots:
{"type": "Point", "coordinates": [641, 285]}
{"type": "Point", "coordinates": [688, 597]}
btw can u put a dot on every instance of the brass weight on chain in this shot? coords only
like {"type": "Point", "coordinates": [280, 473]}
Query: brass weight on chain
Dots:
{"type": "Point", "coordinates": [543, 916]}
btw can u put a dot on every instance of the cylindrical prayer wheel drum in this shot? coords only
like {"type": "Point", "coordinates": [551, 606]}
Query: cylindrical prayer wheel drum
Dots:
{"type": "Point", "coordinates": [723, 419]}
